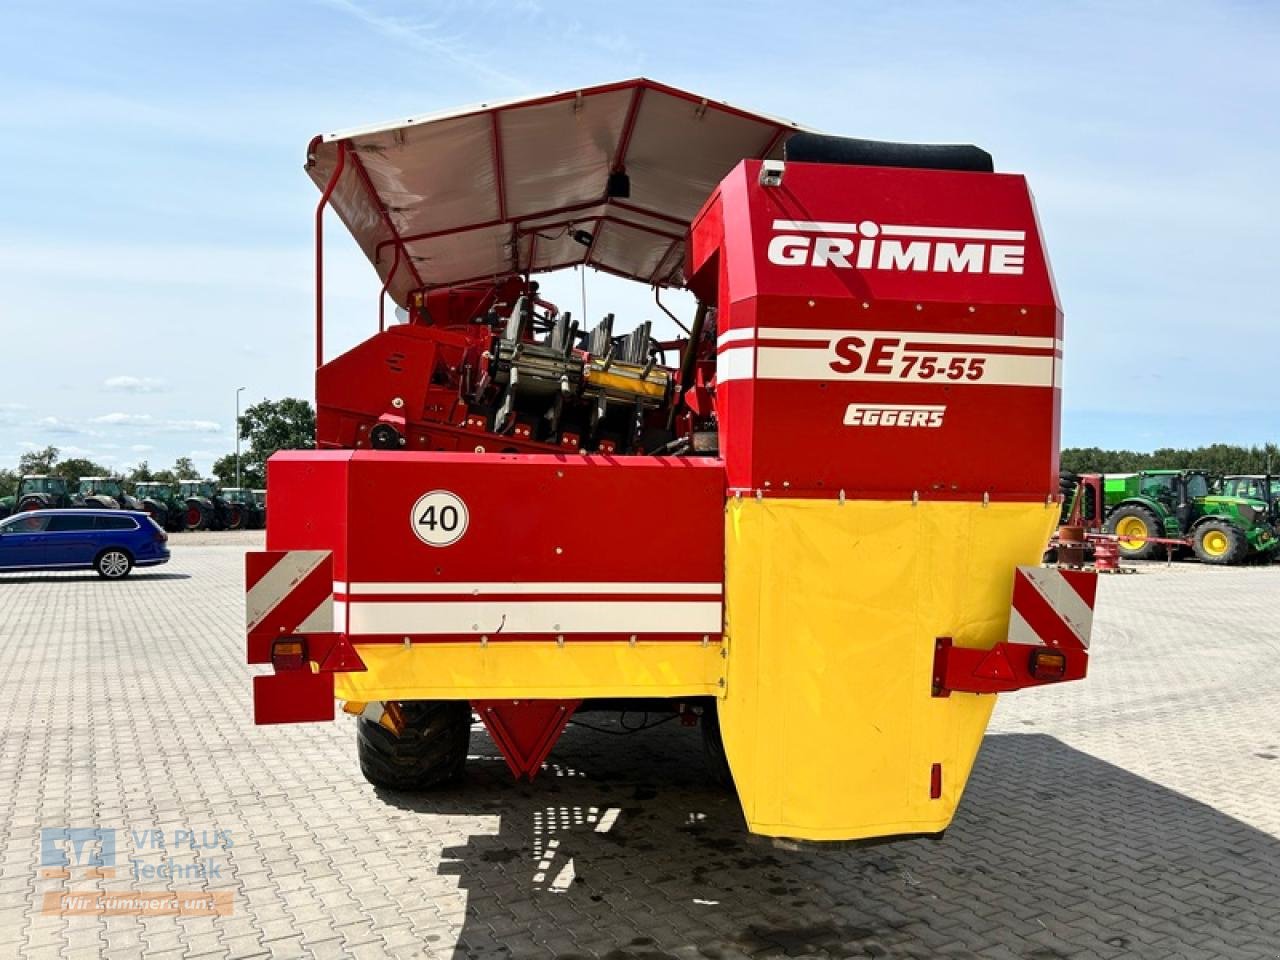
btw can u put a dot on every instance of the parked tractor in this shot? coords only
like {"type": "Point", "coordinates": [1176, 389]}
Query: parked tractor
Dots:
{"type": "Point", "coordinates": [40, 492]}
{"type": "Point", "coordinates": [1254, 486]}
{"type": "Point", "coordinates": [260, 498]}
{"type": "Point", "coordinates": [810, 524]}
{"type": "Point", "coordinates": [249, 516]}
{"type": "Point", "coordinates": [206, 508]}
{"type": "Point", "coordinates": [164, 506]}
{"type": "Point", "coordinates": [103, 493]}
{"type": "Point", "coordinates": [1154, 512]}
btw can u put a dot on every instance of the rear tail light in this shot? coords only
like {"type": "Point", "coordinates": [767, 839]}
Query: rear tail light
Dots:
{"type": "Point", "coordinates": [1048, 664]}
{"type": "Point", "coordinates": [290, 654]}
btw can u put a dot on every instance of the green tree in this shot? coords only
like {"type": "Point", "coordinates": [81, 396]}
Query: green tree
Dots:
{"type": "Point", "coordinates": [184, 469]}
{"type": "Point", "coordinates": [38, 461]}
{"type": "Point", "coordinates": [77, 467]}
{"type": "Point", "coordinates": [1217, 458]}
{"type": "Point", "coordinates": [224, 468]}
{"type": "Point", "coordinates": [8, 483]}
{"type": "Point", "coordinates": [141, 473]}
{"type": "Point", "coordinates": [288, 424]}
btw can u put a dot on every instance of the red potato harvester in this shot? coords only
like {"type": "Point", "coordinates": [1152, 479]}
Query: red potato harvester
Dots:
{"type": "Point", "coordinates": [852, 449]}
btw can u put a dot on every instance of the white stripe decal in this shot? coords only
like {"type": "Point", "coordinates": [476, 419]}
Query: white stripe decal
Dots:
{"type": "Point", "coordinates": [1020, 631]}
{"type": "Point", "coordinates": [1000, 369]}
{"type": "Point", "coordinates": [914, 336]}
{"type": "Point", "coordinates": [321, 619]}
{"type": "Point", "coordinates": [498, 617]}
{"type": "Point", "coordinates": [267, 593]}
{"type": "Point", "coordinates": [815, 226]}
{"type": "Point", "coordinates": [736, 365]}
{"type": "Point", "coordinates": [479, 589]}
{"type": "Point", "coordinates": [954, 233]}
{"type": "Point", "coordinates": [911, 336]}
{"type": "Point", "coordinates": [734, 336]}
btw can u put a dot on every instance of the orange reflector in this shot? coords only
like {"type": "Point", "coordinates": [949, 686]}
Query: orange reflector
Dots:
{"type": "Point", "coordinates": [1048, 664]}
{"type": "Point", "coordinates": [290, 654]}
{"type": "Point", "coordinates": [935, 782]}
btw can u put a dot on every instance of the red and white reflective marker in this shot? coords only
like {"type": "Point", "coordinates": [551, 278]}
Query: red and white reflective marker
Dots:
{"type": "Point", "coordinates": [287, 592]}
{"type": "Point", "coordinates": [1053, 608]}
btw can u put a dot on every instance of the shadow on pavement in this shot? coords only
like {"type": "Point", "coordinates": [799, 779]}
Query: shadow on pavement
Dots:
{"type": "Point", "coordinates": [625, 850]}
{"type": "Point", "coordinates": [81, 576]}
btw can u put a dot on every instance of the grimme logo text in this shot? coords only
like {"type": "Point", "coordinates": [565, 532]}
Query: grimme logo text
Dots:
{"type": "Point", "coordinates": [872, 246]}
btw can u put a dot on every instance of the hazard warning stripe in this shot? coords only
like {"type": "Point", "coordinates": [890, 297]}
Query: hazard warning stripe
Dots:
{"type": "Point", "coordinates": [288, 591]}
{"type": "Point", "coordinates": [1052, 607]}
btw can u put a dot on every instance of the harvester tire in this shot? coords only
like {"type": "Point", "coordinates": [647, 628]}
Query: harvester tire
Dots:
{"type": "Point", "coordinates": [713, 747]}
{"type": "Point", "coordinates": [1217, 541]}
{"type": "Point", "coordinates": [430, 751]}
{"type": "Point", "coordinates": [1139, 522]}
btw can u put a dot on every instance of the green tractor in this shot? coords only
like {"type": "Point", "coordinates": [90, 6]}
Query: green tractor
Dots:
{"type": "Point", "coordinates": [103, 493]}
{"type": "Point", "coordinates": [205, 508]}
{"type": "Point", "coordinates": [38, 492]}
{"type": "Point", "coordinates": [160, 501]}
{"type": "Point", "coordinates": [254, 517]}
{"type": "Point", "coordinates": [1254, 486]}
{"type": "Point", "coordinates": [260, 498]}
{"type": "Point", "coordinates": [1158, 509]}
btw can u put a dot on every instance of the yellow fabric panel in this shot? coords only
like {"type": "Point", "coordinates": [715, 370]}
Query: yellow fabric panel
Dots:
{"type": "Point", "coordinates": [458, 671]}
{"type": "Point", "coordinates": [832, 611]}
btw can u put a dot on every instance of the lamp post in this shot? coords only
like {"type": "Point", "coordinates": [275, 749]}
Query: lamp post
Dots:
{"type": "Point", "coordinates": [239, 390]}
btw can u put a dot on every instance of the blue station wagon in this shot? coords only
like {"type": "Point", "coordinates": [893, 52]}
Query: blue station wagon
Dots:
{"type": "Point", "coordinates": [112, 542]}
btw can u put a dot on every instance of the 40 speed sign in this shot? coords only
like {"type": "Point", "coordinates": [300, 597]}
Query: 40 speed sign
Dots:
{"type": "Point", "coordinates": [439, 518]}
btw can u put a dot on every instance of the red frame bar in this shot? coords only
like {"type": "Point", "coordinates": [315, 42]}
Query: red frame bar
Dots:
{"type": "Point", "coordinates": [324, 200]}
{"type": "Point", "coordinates": [628, 127]}
{"type": "Point", "coordinates": [382, 294]}
{"type": "Point", "coordinates": [1002, 669]}
{"type": "Point", "coordinates": [382, 211]}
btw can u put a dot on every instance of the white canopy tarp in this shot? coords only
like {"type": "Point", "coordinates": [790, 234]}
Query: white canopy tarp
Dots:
{"type": "Point", "coordinates": [502, 188]}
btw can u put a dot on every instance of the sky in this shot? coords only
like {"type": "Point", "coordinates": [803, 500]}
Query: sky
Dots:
{"type": "Point", "coordinates": [156, 223]}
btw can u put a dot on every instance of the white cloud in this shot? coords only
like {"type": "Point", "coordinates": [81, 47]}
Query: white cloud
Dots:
{"type": "Point", "coordinates": [126, 384]}
{"type": "Point", "coordinates": [124, 419]}
{"type": "Point", "coordinates": [155, 423]}
{"type": "Point", "coordinates": [141, 448]}
{"type": "Point", "coordinates": [428, 38]}
{"type": "Point", "coordinates": [56, 425]}
{"type": "Point", "coordinates": [189, 426]}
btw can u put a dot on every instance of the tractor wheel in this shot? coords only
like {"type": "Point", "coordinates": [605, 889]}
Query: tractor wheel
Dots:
{"type": "Point", "coordinates": [1217, 541]}
{"type": "Point", "coordinates": [1135, 522]}
{"type": "Point", "coordinates": [196, 517]}
{"type": "Point", "coordinates": [235, 517]}
{"type": "Point", "coordinates": [713, 747]}
{"type": "Point", "coordinates": [429, 752]}
{"type": "Point", "coordinates": [155, 512]}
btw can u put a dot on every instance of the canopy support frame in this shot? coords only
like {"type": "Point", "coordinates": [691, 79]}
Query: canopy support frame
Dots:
{"type": "Point", "coordinates": [329, 187]}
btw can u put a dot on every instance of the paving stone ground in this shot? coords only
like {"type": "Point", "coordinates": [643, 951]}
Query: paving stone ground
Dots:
{"type": "Point", "coordinates": [1136, 814]}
